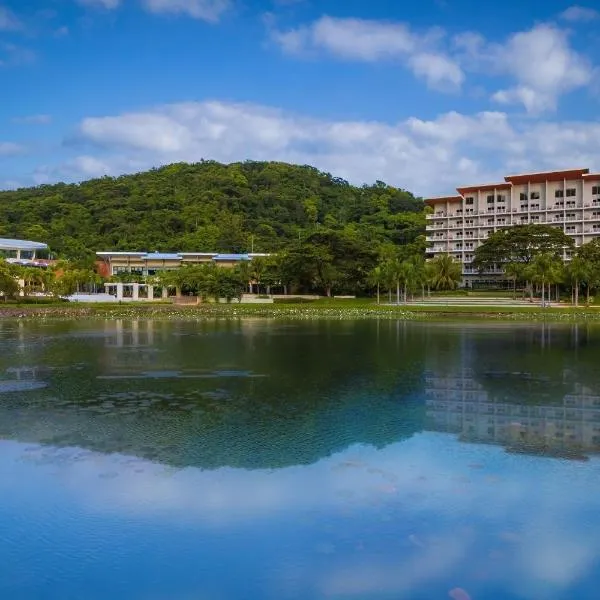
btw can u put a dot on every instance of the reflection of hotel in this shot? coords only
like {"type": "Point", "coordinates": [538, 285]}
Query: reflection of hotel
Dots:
{"type": "Point", "coordinates": [459, 404]}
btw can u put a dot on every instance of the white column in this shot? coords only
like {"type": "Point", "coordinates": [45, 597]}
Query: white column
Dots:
{"type": "Point", "coordinates": [165, 292]}
{"type": "Point", "coordinates": [119, 291]}
{"type": "Point", "coordinates": [136, 291]}
{"type": "Point", "coordinates": [150, 289]}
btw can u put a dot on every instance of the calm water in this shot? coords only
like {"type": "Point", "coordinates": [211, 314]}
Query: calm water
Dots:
{"type": "Point", "coordinates": [340, 460]}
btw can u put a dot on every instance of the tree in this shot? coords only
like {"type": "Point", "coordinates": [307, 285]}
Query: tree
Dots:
{"type": "Point", "coordinates": [578, 271]}
{"type": "Point", "coordinates": [9, 286]}
{"type": "Point", "coordinates": [446, 273]}
{"type": "Point", "coordinates": [376, 279]}
{"type": "Point", "coordinates": [545, 269]}
{"type": "Point", "coordinates": [521, 244]}
{"type": "Point", "coordinates": [514, 271]}
{"type": "Point", "coordinates": [258, 266]}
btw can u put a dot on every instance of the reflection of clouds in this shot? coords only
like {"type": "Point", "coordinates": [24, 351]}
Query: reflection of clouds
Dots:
{"type": "Point", "coordinates": [397, 578]}
{"type": "Point", "coordinates": [521, 521]}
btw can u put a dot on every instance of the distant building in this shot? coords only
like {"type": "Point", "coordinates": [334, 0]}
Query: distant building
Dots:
{"type": "Point", "coordinates": [458, 225]}
{"type": "Point", "coordinates": [149, 263]}
{"type": "Point", "coordinates": [24, 252]}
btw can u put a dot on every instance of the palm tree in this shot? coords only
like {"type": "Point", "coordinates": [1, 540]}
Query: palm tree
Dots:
{"type": "Point", "coordinates": [578, 270]}
{"type": "Point", "coordinates": [389, 268]}
{"type": "Point", "coordinates": [257, 270]}
{"type": "Point", "coordinates": [545, 269]}
{"type": "Point", "coordinates": [446, 272]}
{"type": "Point", "coordinates": [514, 271]}
{"type": "Point", "coordinates": [376, 278]}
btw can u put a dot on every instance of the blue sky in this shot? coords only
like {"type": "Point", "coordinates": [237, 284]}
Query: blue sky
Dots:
{"type": "Point", "coordinates": [425, 95]}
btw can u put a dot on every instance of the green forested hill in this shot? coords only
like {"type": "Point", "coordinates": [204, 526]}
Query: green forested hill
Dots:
{"type": "Point", "coordinates": [208, 206]}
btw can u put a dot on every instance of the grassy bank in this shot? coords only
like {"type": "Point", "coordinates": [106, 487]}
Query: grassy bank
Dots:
{"type": "Point", "coordinates": [322, 309]}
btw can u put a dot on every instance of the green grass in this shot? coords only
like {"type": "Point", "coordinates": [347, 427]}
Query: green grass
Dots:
{"type": "Point", "coordinates": [320, 309]}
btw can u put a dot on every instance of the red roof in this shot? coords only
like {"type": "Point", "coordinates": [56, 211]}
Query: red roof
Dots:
{"type": "Point", "coordinates": [592, 177]}
{"type": "Point", "coordinates": [486, 187]}
{"type": "Point", "coordinates": [547, 176]}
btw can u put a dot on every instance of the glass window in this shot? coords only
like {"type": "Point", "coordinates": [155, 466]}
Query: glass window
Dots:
{"type": "Point", "coordinates": [469, 200]}
{"type": "Point", "coordinates": [500, 198]}
{"type": "Point", "coordinates": [535, 195]}
{"type": "Point", "coordinates": [490, 199]}
{"type": "Point", "coordinates": [522, 196]}
{"type": "Point", "coordinates": [558, 193]}
{"type": "Point", "coordinates": [571, 192]}
{"type": "Point", "coordinates": [596, 190]}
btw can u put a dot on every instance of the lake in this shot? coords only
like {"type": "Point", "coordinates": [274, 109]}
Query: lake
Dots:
{"type": "Point", "coordinates": [257, 459]}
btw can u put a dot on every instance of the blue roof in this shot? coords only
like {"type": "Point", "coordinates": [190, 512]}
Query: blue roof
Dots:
{"type": "Point", "coordinates": [231, 257]}
{"type": "Point", "coordinates": [8, 244]}
{"type": "Point", "coordinates": [161, 256]}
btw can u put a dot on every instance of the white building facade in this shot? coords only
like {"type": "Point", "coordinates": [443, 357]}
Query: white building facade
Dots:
{"type": "Point", "coordinates": [457, 225]}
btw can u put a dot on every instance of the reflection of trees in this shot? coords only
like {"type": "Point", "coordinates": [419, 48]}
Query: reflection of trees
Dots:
{"type": "Point", "coordinates": [320, 387]}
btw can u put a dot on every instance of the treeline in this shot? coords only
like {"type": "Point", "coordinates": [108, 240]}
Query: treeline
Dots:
{"type": "Point", "coordinates": [208, 206]}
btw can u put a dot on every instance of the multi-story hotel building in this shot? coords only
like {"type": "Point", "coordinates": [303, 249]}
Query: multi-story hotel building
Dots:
{"type": "Point", "coordinates": [457, 225]}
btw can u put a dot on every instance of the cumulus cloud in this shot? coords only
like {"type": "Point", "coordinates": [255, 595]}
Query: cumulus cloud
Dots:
{"type": "Point", "coordinates": [425, 156]}
{"type": "Point", "coordinates": [40, 119]}
{"type": "Point", "coordinates": [370, 41]}
{"type": "Point", "coordinates": [576, 14]}
{"type": "Point", "coordinates": [541, 61]}
{"type": "Point", "coordinates": [10, 149]}
{"type": "Point", "coordinates": [8, 20]}
{"type": "Point", "coordinates": [206, 10]}
{"type": "Point", "coordinates": [106, 4]}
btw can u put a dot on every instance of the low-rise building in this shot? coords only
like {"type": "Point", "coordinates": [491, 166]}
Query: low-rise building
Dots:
{"type": "Point", "coordinates": [24, 252]}
{"type": "Point", "coordinates": [458, 224]}
{"type": "Point", "coordinates": [150, 263]}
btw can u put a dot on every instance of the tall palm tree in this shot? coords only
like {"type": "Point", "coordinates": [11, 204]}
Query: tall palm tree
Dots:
{"type": "Point", "coordinates": [578, 271]}
{"type": "Point", "coordinates": [446, 272]}
{"type": "Point", "coordinates": [545, 270]}
{"type": "Point", "coordinates": [376, 278]}
{"type": "Point", "coordinates": [514, 271]}
{"type": "Point", "coordinates": [258, 266]}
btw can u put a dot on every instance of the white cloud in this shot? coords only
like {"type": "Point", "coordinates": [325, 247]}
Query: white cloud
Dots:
{"type": "Point", "coordinates": [424, 156]}
{"type": "Point", "coordinates": [10, 149]}
{"type": "Point", "coordinates": [370, 41]}
{"type": "Point", "coordinates": [8, 20]}
{"type": "Point", "coordinates": [577, 14]}
{"type": "Point", "coordinates": [106, 4]}
{"type": "Point", "coordinates": [40, 119]}
{"type": "Point", "coordinates": [12, 55]}
{"type": "Point", "coordinates": [540, 60]}
{"type": "Point", "coordinates": [206, 10]}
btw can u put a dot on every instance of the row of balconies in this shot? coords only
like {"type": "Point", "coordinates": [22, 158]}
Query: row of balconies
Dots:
{"type": "Point", "coordinates": [500, 210]}
{"type": "Point", "coordinates": [521, 221]}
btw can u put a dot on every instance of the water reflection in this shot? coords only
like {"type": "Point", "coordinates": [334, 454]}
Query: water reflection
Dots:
{"type": "Point", "coordinates": [352, 468]}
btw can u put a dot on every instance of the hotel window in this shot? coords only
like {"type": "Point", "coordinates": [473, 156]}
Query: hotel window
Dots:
{"type": "Point", "coordinates": [469, 200]}
{"type": "Point", "coordinates": [596, 190]}
{"type": "Point", "coordinates": [490, 199]}
{"type": "Point", "coordinates": [535, 195]}
{"type": "Point", "coordinates": [570, 228]}
{"type": "Point", "coordinates": [500, 198]}
{"type": "Point", "coordinates": [501, 221]}
{"type": "Point", "coordinates": [571, 192]}
{"type": "Point", "coordinates": [522, 196]}
{"type": "Point", "coordinates": [558, 193]}
{"type": "Point", "coordinates": [490, 221]}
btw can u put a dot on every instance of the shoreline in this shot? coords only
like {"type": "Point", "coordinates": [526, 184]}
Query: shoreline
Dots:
{"type": "Point", "coordinates": [298, 311]}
